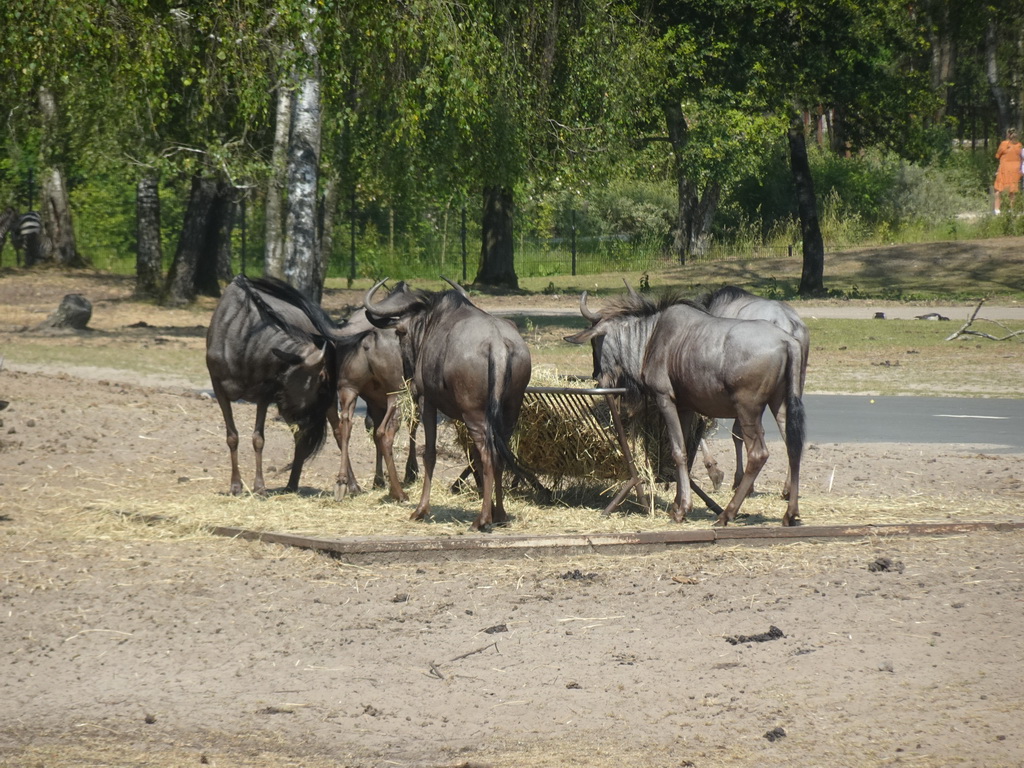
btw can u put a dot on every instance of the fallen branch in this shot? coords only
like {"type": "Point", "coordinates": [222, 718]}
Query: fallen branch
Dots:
{"type": "Point", "coordinates": [965, 329]}
{"type": "Point", "coordinates": [478, 650]}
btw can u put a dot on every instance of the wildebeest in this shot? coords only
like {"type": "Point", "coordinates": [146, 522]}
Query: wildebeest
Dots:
{"type": "Point", "coordinates": [374, 371]}
{"type": "Point", "coordinates": [268, 344]}
{"type": "Point", "coordinates": [732, 301]}
{"type": "Point", "coordinates": [470, 366]}
{"type": "Point", "coordinates": [691, 362]}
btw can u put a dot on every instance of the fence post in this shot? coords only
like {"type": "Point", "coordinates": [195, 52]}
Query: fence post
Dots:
{"type": "Point", "coordinates": [462, 236]}
{"type": "Point", "coordinates": [572, 230]}
{"type": "Point", "coordinates": [352, 237]}
{"type": "Point", "coordinates": [241, 205]}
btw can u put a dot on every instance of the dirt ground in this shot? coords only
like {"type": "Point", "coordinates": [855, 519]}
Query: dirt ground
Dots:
{"type": "Point", "coordinates": [132, 638]}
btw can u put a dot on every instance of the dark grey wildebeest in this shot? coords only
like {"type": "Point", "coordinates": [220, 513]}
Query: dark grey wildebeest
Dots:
{"type": "Point", "coordinates": [268, 344]}
{"type": "Point", "coordinates": [470, 366]}
{"type": "Point", "coordinates": [692, 363]}
{"type": "Point", "coordinates": [732, 301]}
{"type": "Point", "coordinates": [373, 371]}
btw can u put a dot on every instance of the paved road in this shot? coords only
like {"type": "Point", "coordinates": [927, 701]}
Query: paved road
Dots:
{"type": "Point", "coordinates": [998, 424]}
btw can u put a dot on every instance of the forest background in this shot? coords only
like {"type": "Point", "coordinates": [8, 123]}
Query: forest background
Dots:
{"type": "Point", "coordinates": [488, 139]}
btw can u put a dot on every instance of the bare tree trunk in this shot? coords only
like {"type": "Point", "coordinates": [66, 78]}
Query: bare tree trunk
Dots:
{"type": "Point", "coordinates": [1004, 109]}
{"type": "Point", "coordinates": [694, 212]}
{"type": "Point", "coordinates": [225, 212]}
{"type": "Point", "coordinates": [943, 58]}
{"type": "Point", "coordinates": [149, 254]}
{"type": "Point", "coordinates": [497, 248]}
{"type": "Point", "coordinates": [8, 219]}
{"type": "Point", "coordinates": [59, 232]}
{"type": "Point", "coordinates": [328, 209]}
{"type": "Point", "coordinates": [192, 243]}
{"type": "Point", "coordinates": [812, 275]}
{"type": "Point", "coordinates": [273, 258]}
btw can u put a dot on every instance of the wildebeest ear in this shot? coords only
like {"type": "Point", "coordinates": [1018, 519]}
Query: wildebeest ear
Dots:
{"type": "Point", "coordinates": [289, 357]}
{"type": "Point", "coordinates": [313, 357]}
{"type": "Point", "coordinates": [585, 335]}
{"type": "Point", "coordinates": [378, 321]}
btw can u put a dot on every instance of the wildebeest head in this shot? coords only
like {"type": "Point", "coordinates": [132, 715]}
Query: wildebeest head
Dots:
{"type": "Point", "coordinates": [618, 334]}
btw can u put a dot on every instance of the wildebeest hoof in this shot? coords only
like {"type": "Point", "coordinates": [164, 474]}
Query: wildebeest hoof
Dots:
{"type": "Point", "coordinates": [678, 515]}
{"type": "Point", "coordinates": [420, 513]}
{"type": "Point", "coordinates": [340, 491]}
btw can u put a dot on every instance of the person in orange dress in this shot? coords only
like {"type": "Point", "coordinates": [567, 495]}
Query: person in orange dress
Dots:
{"type": "Point", "coordinates": [1009, 173]}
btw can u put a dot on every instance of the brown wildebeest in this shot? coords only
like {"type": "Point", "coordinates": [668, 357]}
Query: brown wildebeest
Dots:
{"type": "Point", "coordinates": [470, 366]}
{"type": "Point", "coordinates": [374, 372]}
{"type": "Point", "coordinates": [268, 344]}
{"type": "Point", "coordinates": [691, 362]}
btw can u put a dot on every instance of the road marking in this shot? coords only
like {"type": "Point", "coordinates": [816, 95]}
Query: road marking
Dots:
{"type": "Point", "coordinates": [966, 416]}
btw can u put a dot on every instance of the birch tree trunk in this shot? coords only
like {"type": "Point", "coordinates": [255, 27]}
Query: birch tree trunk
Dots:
{"type": "Point", "coordinates": [149, 254]}
{"type": "Point", "coordinates": [1004, 110]}
{"type": "Point", "coordinates": [302, 267]}
{"type": "Point", "coordinates": [58, 229]}
{"type": "Point", "coordinates": [273, 255]}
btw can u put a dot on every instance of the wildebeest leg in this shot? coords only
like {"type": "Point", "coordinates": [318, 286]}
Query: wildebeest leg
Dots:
{"type": "Point", "coordinates": [484, 460]}
{"type": "Point", "coordinates": [780, 419]}
{"type": "Point", "coordinates": [749, 422]}
{"type": "Point", "coordinates": [384, 436]}
{"type": "Point", "coordinates": [498, 514]}
{"type": "Point", "coordinates": [411, 465]}
{"type": "Point", "coordinates": [346, 482]}
{"type": "Point", "coordinates": [683, 502]}
{"type": "Point", "coordinates": [429, 417]}
{"type": "Point", "coordinates": [711, 465]}
{"type": "Point", "coordinates": [232, 438]}
{"type": "Point", "coordinates": [738, 445]}
{"type": "Point", "coordinates": [258, 485]}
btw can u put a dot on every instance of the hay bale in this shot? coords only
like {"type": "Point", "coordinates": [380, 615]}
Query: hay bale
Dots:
{"type": "Point", "coordinates": [570, 438]}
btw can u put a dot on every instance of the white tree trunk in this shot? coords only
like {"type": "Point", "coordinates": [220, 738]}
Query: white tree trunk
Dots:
{"type": "Point", "coordinates": [302, 248]}
{"type": "Point", "coordinates": [273, 258]}
{"type": "Point", "coordinates": [58, 229]}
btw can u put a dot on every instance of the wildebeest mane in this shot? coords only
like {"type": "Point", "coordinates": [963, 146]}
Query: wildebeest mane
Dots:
{"type": "Point", "coordinates": [286, 293]}
{"type": "Point", "coordinates": [310, 425]}
{"type": "Point", "coordinates": [635, 304]}
{"type": "Point", "coordinates": [726, 293]}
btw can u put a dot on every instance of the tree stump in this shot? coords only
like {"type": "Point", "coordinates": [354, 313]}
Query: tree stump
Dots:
{"type": "Point", "coordinates": [74, 312]}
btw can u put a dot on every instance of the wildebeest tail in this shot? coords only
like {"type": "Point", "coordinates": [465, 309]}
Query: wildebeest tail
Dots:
{"type": "Point", "coordinates": [498, 382]}
{"type": "Point", "coordinates": [796, 422]}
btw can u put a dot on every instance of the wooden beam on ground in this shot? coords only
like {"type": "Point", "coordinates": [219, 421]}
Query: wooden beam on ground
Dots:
{"type": "Point", "coordinates": [389, 548]}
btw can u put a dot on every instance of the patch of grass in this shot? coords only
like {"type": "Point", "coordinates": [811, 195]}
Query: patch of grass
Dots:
{"type": "Point", "coordinates": [945, 271]}
{"type": "Point", "coordinates": [894, 357]}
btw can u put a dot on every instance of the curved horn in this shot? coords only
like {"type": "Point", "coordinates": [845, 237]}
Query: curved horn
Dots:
{"type": "Point", "coordinates": [632, 291]}
{"type": "Point", "coordinates": [585, 310]}
{"type": "Point", "coordinates": [456, 286]}
{"type": "Point", "coordinates": [314, 358]}
{"type": "Point", "coordinates": [368, 298]}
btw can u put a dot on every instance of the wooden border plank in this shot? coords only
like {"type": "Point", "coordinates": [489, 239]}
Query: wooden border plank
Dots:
{"type": "Point", "coordinates": [484, 544]}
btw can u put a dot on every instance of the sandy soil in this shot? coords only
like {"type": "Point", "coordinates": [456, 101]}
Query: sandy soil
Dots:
{"type": "Point", "coordinates": [127, 643]}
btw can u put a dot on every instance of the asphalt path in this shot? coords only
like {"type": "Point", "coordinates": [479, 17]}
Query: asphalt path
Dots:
{"type": "Point", "coordinates": [997, 424]}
